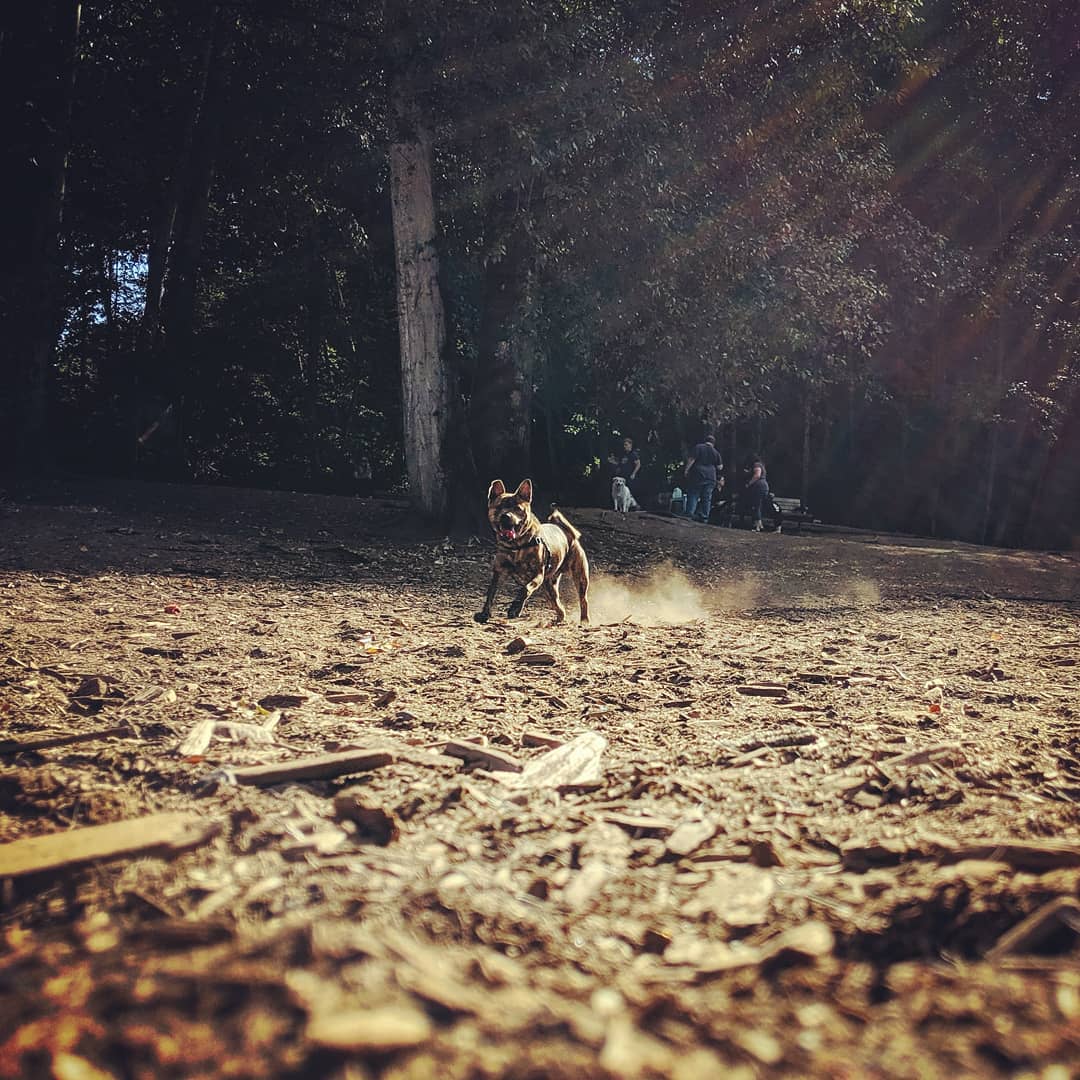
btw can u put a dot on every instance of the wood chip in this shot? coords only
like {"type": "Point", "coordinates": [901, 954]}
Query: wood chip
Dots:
{"type": "Point", "coordinates": [1035, 856]}
{"type": "Point", "coordinates": [283, 701]}
{"type": "Point", "coordinates": [576, 762]}
{"type": "Point", "coordinates": [314, 767]}
{"type": "Point", "coordinates": [198, 738]}
{"type": "Point", "coordinates": [15, 746]}
{"type": "Point", "coordinates": [640, 822]}
{"type": "Point", "coordinates": [531, 737]}
{"type": "Point", "coordinates": [942, 752]}
{"type": "Point", "coordinates": [810, 940]}
{"type": "Point", "coordinates": [375, 1030]}
{"type": "Point", "coordinates": [518, 644]}
{"type": "Point", "coordinates": [156, 834]}
{"type": "Point", "coordinates": [688, 836]}
{"type": "Point", "coordinates": [486, 756]}
{"type": "Point", "coordinates": [536, 658]}
{"type": "Point", "coordinates": [761, 690]}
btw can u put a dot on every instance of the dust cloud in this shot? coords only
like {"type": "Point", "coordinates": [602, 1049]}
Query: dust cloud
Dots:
{"type": "Point", "coordinates": [861, 591]}
{"type": "Point", "coordinates": [666, 596]}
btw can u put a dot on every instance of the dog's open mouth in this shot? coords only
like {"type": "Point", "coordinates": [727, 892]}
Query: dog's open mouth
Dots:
{"type": "Point", "coordinates": [508, 534]}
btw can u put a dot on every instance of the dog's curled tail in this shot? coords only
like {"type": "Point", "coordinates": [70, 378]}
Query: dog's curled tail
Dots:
{"type": "Point", "coordinates": [556, 518]}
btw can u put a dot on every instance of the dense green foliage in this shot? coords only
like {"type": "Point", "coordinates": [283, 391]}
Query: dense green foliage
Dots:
{"type": "Point", "coordinates": [844, 233]}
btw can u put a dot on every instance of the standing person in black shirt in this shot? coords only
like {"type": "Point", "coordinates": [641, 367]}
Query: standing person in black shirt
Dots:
{"type": "Point", "coordinates": [627, 464]}
{"type": "Point", "coordinates": [757, 488]}
{"type": "Point", "coordinates": [702, 469]}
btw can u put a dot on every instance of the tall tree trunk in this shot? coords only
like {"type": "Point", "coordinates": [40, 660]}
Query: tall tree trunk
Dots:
{"type": "Point", "coordinates": [999, 393]}
{"type": "Point", "coordinates": [804, 484]}
{"type": "Point", "coordinates": [425, 382]}
{"type": "Point", "coordinates": [313, 361]}
{"type": "Point", "coordinates": [500, 410]}
{"type": "Point", "coordinates": [40, 58]}
{"type": "Point", "coordinates": [181, 283]}
{"type": "Point", "coordinates": [164, 218]}
{"type": "Point", "coordinates": [168, 376]}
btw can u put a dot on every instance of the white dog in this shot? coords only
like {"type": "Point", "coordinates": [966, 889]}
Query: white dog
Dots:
{"type": "Point", "coordinates": [622, 496]}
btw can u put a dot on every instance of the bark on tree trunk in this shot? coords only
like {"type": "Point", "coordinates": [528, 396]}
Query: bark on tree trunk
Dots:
{"type": "Point", "coordinates": [167, 376]}
{"type": "Point", "coordinates": [181, 283]}
{"type": "Point", "coordinates": [999, 393]}
{"type": "Point", "coordinates": [804, 486]}
{"type": "Point", "coordinates": [995, 441]}
{"type": "Point", "coordinates": [425, 382]}
{"type": "Point", "coordinates": [164, 220]}
{"type": "Point", "coordinates": [500, 412]}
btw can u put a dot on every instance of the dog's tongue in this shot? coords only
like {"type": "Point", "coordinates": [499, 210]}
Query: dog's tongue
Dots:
{"type": "Point", "coordinates": [508, 534]}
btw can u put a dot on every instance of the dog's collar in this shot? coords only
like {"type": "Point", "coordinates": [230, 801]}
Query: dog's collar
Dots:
{"type": "Point", "coordinates": [536, 541]}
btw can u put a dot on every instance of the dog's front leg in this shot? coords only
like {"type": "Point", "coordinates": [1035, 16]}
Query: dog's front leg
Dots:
{"type": "Point", "coordinates": [485, 613]}
{"type": "Point", "coordinates": [526, 590]}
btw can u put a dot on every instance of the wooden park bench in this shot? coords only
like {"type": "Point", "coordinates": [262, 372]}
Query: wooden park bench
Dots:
{"type": "Point", "coordinates": [790, 514]}
{"type": "Point", "coordinates": [783, 513]}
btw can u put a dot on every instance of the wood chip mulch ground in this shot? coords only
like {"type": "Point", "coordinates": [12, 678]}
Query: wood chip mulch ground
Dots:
{"type": "Point", "coordinates": [273, 804]}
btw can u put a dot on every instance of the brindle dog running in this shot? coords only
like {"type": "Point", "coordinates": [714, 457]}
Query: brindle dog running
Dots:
{"type": "Point", "coordinates": [534, 554]}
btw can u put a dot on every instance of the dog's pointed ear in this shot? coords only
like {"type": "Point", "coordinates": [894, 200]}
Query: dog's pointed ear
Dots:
{"type": "Point", "coordinates": [497, 488]}
{"type": "Point", "coordinates": [524, 491]}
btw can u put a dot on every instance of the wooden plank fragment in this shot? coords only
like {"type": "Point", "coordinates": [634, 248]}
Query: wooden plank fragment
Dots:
{"type": "Point", "coordinates": [14, 746]}
{"type": "Point", "coordinates": [314, 767]}
{"type": "Point", "coordinates": [156, 834]}
{"type": "Point", "coordinates": [493, 760]}
{"type": "Point", "coordinates": [576, 762]}
{"type": "Point", "coordinates": [757, 690]}
{"type": "Point", "coordinates": [532, 737]}
{"type": "Point", "coordinates": [536, 658]}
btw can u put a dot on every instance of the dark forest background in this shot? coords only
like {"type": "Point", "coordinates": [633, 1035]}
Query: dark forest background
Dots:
{"type": "Point", "coordinates": [844, 234]}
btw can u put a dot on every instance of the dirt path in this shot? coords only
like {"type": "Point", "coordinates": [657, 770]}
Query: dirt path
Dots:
{"type": "Point", "coordinates": [817, 784]}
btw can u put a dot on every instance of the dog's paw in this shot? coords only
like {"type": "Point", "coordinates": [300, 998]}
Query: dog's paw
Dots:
{"type": "Point", "coordinates": [482, 616]}
{"type": "Point", "coordinates": [514, 610]}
